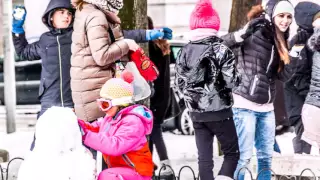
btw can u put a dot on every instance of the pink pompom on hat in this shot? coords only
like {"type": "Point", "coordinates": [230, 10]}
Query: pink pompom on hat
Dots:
{"type": "Point", "coordinates": [204, 16]}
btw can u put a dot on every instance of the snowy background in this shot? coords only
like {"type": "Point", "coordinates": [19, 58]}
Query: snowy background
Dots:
{"type": "Point", "coordinates": [181, 150]}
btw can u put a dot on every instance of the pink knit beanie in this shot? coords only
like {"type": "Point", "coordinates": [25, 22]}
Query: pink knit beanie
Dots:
{"type": "Point", "coordinates": [204, 16]}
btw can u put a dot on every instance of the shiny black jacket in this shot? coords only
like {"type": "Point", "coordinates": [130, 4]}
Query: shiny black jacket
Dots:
{"type": "Point", "coordinates": [206, 74]}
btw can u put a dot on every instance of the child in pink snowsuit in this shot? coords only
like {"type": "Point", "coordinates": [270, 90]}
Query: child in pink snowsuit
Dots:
{"type": "Point", "coordinates": [121, 134]}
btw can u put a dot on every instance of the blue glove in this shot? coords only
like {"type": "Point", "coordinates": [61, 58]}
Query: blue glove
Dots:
{"type": "Point", "coordinates": [154, 34]}
{"type": "Point", "coordinates": [19, 16]}
{"type": "Point", "coordinates": [167, 33]}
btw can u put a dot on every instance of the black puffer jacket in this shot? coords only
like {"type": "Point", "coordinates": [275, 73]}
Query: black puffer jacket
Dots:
{"type": "Point", "coordinates": [205, 74]}
{"type": "Point", "coordinates": [54, 48]}
{"type": "Point", "coordinates": [313, 97]}
{"type": "Point", "coordinates": [258, 62]}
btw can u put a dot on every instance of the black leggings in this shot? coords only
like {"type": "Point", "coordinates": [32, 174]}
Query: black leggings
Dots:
{"type": "Point", "coordinates": [156, 139]}
{"type": "Point", "coordinates": [227, 136]}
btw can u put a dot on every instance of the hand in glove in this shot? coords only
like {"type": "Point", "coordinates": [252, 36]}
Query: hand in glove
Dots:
{"type": "Point", "coordinates": [145, 66]}
{"type": "Point", "coordinates": [19, 16]}
{"type": "Point", "coordinates": [165, 33]}
{"type": "Point", "coordinates": [85, 128]}
{"type": "Point", "coordinates": [154, 34]}
{"type": "Point", "coordinates": [302, 36]}
{"type": "Point", "coordinates": [250, 28]}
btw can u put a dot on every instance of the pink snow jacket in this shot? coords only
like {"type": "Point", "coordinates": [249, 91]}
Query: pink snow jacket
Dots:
{"type": "Point", "coordinates": [124, 133]}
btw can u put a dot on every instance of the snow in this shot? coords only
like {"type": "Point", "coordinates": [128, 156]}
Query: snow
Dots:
{"type": "Point", "coordinates": [182, 150]}
{"type": "Point", "coordinates": [58, 148]}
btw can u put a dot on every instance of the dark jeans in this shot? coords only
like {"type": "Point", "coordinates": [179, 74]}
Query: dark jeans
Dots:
{"type": "Point", "coordinates": [299, 145]}
{"type": "Point", "coordinates": [227, 136]}
{"type": "Point", "coordinates": [156, 139]}
{"type": "Point", "coordinates": [294, 102]}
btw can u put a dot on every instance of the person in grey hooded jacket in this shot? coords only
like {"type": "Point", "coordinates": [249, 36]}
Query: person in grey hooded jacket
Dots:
{"type": "Point", "coordinates": [311, 107]}
{"type": "Point", "coordinates": [296, 89]}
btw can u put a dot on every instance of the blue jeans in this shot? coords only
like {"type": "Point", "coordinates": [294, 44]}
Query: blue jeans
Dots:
{"type": "Point", "coordinates": [255, 128]}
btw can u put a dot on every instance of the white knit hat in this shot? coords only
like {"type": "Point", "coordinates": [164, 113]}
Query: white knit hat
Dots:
{"type": "Point", "coordinates": [283, 7]}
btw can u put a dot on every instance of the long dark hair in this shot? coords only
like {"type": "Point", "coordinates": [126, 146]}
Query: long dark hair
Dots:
{"type": "Point", "coordinates": [280, 38]}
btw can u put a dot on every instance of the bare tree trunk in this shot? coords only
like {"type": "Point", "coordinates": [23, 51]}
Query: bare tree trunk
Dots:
{"type": "Point", "coordinates": [239, 11]}
{"type": "Point", "coordinates": [134, 14]}
{"type": "Point", "coordinates": [1, 30]}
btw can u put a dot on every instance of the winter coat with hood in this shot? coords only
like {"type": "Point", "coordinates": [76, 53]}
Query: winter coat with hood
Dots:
{"type": "Point", "coordinates": [313, 96]}
{"type": "Point", "coordinates": [54, 49]}
{"type": "Point", "coordinates": [94, 54]}
{"type": "Point", "coordinates": [205, 74]}
{"type": "Point", "coordinates": [124, 135]}
{"type": "Point", "coordinates": [258, 61]}
{"type": "Point", "coordinates": [300, 80]}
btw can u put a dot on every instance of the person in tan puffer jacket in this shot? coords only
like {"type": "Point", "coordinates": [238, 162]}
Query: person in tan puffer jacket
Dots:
{"type": "Point", "coordinates": [94, 52]}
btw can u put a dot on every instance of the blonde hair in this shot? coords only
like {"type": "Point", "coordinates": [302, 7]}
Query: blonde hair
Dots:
{"type": "Point", "coordinates": [163, 45]}
{"type": "Point", "coordinates": [78, 4]}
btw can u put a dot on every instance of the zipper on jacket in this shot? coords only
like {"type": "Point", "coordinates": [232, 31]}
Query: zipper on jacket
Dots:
{"type": "Point", "coordinates": [108, 162]}
{"type": "Point", "coordinates": [268, 67]}
{"type": "Point", "coordinates": [269, 94]}
{"type": "Point", "coordinates": [254, 85]}
{"type": "Point", "coordinates": [127, 160]}
{"type": "Point", "coordinates": [60, 62]}
{"type": "Point", "coordinates": [271, 59]}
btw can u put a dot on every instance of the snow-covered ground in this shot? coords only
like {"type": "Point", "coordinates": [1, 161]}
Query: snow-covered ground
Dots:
{"type": "Point", "coordinates": [181, 150]}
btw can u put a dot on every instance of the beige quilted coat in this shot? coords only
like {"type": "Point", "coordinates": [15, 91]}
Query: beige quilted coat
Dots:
{"type": "Point", "coordinates": [93, 57]}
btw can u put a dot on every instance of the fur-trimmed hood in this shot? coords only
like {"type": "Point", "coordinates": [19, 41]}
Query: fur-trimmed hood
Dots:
{"type": "Point", "coordinates": [107, 5]}
{"type": "Point", "coordinates": [314, 41]}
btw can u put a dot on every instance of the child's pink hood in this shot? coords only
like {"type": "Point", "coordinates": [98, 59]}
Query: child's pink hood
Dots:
{"type": "Point", "coordinates": [142, 112]}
